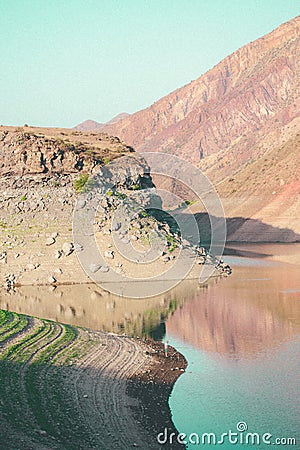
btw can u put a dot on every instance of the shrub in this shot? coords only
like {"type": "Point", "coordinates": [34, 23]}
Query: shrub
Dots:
{"type": "Point", "coordinates": [82, 183]}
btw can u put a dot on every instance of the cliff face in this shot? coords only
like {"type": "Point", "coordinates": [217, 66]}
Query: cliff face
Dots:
{"type": "Point", "coordinates": [254, 88]}
{"type": "Point", "coordinates": [39, 151]}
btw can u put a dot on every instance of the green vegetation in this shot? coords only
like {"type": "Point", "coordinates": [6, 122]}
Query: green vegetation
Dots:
{"type": "Point", "coordinates": [68, 145]}
{"type": "Point", "coordinates": [189, 202]}
{"type": "Point", "coordinates": [106, 160]}
{"type": "Point", "coordinates": [33, 365]}
{"type": "Point", "coordinates": [120, 195]}
{"type": "Point", "coordinates": [144, 214]}
{"type": "Point", "coordinates": [171, 243]}
{"type": "Point", "coordinates": [23, 198]}
{"type": "Point", "coordinates": [13, 323]}
{"type": "Point", "coordinates": [82, 183]}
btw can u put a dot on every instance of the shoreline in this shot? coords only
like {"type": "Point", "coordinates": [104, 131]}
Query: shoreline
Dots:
{"type": "Point", "coordinates": [112, 385]}
{"type": "Point", "coordinates": [91, 283]}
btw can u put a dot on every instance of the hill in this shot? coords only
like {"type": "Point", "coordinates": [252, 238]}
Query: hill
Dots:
{"type": "Point", "coordinates": [92, 125]}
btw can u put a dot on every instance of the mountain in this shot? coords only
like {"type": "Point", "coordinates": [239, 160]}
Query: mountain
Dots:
{"type": "Point", "coordinates": [92, 125]}
{"type": "Point", "coordinates": [240, 123]}
{"type": "Point", "coordinates": [118, 117]}
{"type": "Point", "coordinates": [89, 125]}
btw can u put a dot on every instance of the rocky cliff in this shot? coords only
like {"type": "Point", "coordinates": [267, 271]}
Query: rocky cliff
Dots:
{"type": "Point", "coordinates": [27, 150]}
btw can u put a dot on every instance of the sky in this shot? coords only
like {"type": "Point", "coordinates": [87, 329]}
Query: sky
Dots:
{"type": "Point", "coordinates": [65, 61]}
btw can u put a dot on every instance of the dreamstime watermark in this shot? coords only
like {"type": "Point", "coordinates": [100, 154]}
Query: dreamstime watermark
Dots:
{"type": "Point", "coordinates": [107, 181]}
{"type": "Point", "coordinates": [240, 436]}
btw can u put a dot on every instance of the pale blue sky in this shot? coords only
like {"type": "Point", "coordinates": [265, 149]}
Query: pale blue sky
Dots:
{"type": "Point", "coordinates": [64, 61]}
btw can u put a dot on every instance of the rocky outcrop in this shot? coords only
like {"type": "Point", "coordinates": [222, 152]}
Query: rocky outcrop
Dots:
{"type": "Point", "coordinates": [39, 171]}
{"type": "Point", "coordinates": [41, 151]}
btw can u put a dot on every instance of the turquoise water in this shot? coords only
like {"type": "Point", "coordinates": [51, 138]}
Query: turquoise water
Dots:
{"type": "Point", "coordinates": [241, 338]}
{"type": "Point", "coordinates": [214, 395]}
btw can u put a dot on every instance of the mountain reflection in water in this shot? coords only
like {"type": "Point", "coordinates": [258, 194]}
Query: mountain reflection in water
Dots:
{"type": "Point", "coordinates": [243, 315]}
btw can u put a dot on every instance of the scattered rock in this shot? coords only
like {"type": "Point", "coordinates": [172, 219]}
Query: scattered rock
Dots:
{"type": "Point", "coordinates": [3, 257]}
{"type": "Point", "coordinates": [50, 241]}
{"type": "Point", "coordinates": [95, 295]}
{"type": "Point", "coordinates": [58, 254]}
{"type": "Point", "coordinates": [67, 248]}
{"type": "Point", "coordinates": [10, 281]}
{"type": "Point", "coordinates": [109, 254]}
{"type": "Point", "coordinates": [81, 204]}
{"type": "Point", "coordinates": [77, 247]}
{"type": "Point", "coordinates": [95, 267]}
{"type": "Point", "coordinates": [116, 226]}
{"type": "Point", "coordinates": [200, 260]}
{"type": "Point", "coordinates": [52, 279]}
{"type": "Point", "coordinates": [58, 271]}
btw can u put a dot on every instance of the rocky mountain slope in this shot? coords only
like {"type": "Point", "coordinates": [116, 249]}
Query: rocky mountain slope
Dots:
{"type": "Point", "coordinates": [92, 125]}
{"type": "Point", "coordinates": [233, 122]}
{"type": "Point", "coordinates": [228, 105]}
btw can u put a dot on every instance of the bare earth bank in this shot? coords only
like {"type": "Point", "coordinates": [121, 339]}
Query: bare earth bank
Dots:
{"type": "Point", "coordinates": [68, 388]}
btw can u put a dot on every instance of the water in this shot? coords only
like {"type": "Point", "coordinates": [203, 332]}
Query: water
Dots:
{"type": "Point", "coordinates": [240, 335]}
{"type": "Point", "coordinates": [241, 338]}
